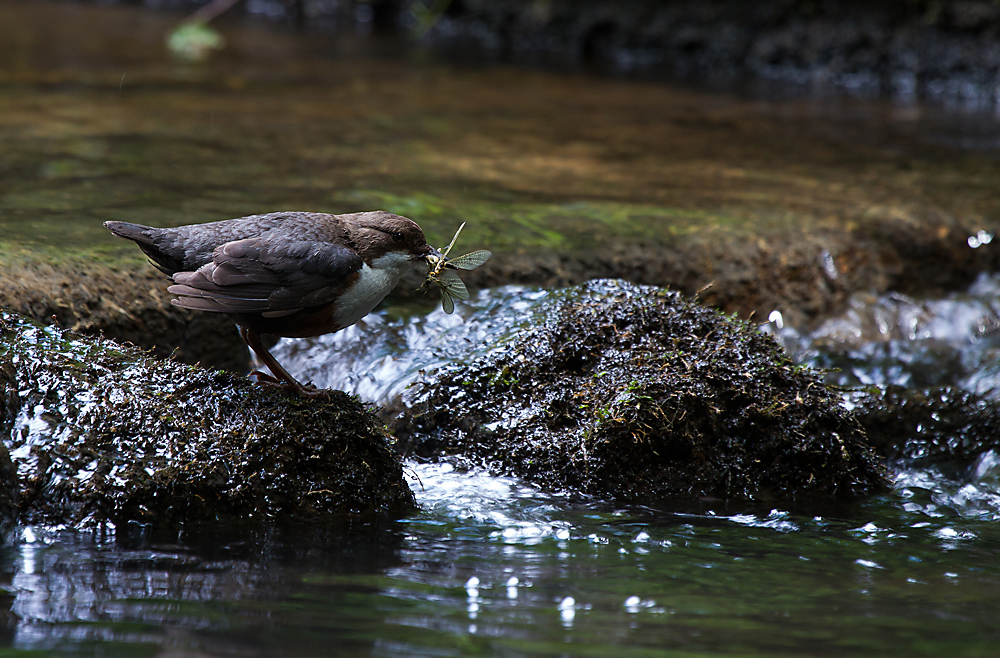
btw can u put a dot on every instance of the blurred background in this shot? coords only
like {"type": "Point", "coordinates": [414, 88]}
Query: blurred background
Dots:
{"type": "Point", "coordinates": [791, 153]}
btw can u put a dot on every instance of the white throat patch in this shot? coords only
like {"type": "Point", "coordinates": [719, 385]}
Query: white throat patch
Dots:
{"type": "Point", "coordinates": [371, 287]}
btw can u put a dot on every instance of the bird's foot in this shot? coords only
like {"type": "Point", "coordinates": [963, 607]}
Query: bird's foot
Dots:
{"type": "Point", "coordinates": [304, 390]}
{"type": "Point", "coordinates": [309, 391]}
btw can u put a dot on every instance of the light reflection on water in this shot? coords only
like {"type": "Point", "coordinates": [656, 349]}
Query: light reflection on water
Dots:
{"type": "Point", "coordinates": [929, 492]}
{"type": "Point", "coordinates": [491, 567]}
{"type": "Point", "coordinates": [890, 339]}
{"type": "Point", "coordinates": [379, 357]}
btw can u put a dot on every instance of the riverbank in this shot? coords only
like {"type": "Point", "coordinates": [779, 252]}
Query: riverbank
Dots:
{"type": "Point", "coordinates": [787, 206]}
{"type": "Point", "coordinates": [945, 51]}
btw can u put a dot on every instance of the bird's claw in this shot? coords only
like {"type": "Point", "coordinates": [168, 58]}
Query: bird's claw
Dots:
{"type": "Point", "coordinates": [304, 390]}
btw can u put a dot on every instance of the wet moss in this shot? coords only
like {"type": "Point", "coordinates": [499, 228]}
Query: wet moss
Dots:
{"type": "Point", "coordinates": [100, 432]}
{"type": "Point", "coordinates": [634, 392]}
{"type": "Point", "coordinates": [942, 427]}
{"type": "Point", "coordinates": [10, 402]}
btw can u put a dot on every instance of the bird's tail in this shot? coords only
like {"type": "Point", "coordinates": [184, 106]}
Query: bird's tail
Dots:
{"type": "Point", "coordinates": [128, 230]}
{"type": "Point", "coordinates": [146, 238]}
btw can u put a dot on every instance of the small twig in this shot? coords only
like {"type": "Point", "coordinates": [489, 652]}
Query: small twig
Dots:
{"type": "Point", "coordinates": [703, 289]}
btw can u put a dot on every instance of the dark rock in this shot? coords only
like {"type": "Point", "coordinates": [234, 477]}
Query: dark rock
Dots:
{"type": "Point", "coordinates": [10, 402]}
{"type": "Point", "coordinates": [105, 433]}
{"type": "Point", "coordinates": [637, 393]}
{"type": "Point", "coordinates": [941, 427]}
{"type": "Point", "coordinates": [945, 49]}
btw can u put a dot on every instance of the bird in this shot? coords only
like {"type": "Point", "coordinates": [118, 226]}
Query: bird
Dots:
{"type": "Point", "coordinates": [289, 274]}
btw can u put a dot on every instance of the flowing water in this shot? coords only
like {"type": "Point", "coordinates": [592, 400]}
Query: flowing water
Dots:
{"type": "Point", "coordinates": [897, 340]}
{"type": "Point", "coordinates": [96, 122]}
{"type": "Point", "coordinates": [490, 566]}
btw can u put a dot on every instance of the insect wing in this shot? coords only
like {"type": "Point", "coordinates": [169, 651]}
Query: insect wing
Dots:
{"type": "Point", "coordinates": [452, 284]}
{"type": "Point", "coordinates": [447, 303]}
{"type": "Point", "coordinates": [470, 261]}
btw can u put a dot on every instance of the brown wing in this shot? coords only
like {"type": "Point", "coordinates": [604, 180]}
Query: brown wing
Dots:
{"type": "Point", "coordinates": [270, 277]}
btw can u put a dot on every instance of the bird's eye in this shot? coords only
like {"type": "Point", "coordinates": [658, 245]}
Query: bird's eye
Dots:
{"type": "Point", "coordinates": [398, 237]}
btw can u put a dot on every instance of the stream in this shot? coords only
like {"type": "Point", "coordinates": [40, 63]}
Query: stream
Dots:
{"type": "Point", "coordinates": [491, 566]}
{"type": "Point", "coordinates": [97, 122]}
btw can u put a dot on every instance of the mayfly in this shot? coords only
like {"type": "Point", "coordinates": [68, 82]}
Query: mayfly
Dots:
{"type": "Point", "coordinates": [441, 272]}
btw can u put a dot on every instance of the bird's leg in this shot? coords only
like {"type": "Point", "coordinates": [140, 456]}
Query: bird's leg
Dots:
{"type": "Point", "coordinates": [265, 378]}
{"type": "Point", "coordinates": [281, 378]}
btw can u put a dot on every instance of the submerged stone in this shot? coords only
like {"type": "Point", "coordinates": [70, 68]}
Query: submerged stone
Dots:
{"type": "Point", "coordinates": [98, 432]}
{"type": "Point", "coordinates": [635, 392]}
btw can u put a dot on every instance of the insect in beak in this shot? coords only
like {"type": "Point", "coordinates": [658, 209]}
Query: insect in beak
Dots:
{"type": "Point", "coordinates": [441, 271]}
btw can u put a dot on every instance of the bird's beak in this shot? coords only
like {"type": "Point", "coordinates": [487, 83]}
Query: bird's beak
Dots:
{"type": "Point", "coordinates": [431, 255]}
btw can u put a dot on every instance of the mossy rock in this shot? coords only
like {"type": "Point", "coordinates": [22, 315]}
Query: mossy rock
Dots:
{"type": "Point", "coordinates": [946, 427]}
{"type": "Point", "coordinates": [99, 432]}
{"type": "Point", "coordinates": [638, 393]}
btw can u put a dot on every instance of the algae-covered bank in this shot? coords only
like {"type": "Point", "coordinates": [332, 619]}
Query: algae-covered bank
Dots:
{"type": "Point", "coordinates": [101, 433]}
{"type": "Point", "coordinates": [638, 393]}
{"type": "Point", "coordinates": [94, 292]}
{"type": "Point", "coordinates": [785, 204]}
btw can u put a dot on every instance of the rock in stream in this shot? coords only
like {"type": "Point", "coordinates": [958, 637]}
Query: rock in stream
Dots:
{"type": "Point", "coordinates": [102, 433]}
{"type": "Point", "coordinates": [637, 393]}
{"type": "Point", "coordinates": [947, 427]}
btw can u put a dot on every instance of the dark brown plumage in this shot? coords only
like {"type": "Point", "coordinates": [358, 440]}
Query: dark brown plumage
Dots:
{"type": "Point", "coordinates": [292, 274]}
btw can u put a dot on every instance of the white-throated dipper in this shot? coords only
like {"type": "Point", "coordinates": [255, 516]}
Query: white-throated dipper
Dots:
{"type": "Point", "coordinates": [293, 274]}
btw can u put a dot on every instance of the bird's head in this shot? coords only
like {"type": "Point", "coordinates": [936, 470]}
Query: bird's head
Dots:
{"type": "Point", "coordinates": [387, 238]}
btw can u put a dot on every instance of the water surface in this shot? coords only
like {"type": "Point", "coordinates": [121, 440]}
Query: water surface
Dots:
{"type": "Point", "coordinates": [101, 123]}
{"type": "Point", "coordinates": [490, 567]}
{"type": "Point", "coordinates": [98, 122]}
